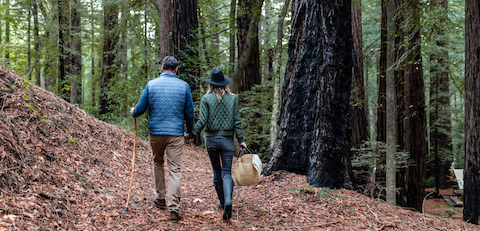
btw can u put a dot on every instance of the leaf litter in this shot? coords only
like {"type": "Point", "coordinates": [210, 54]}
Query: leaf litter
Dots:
{"type": "Point", "coordinates": [62, 169]}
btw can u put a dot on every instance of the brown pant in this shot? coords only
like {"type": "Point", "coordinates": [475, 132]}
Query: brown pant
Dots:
{"type": "Point", "coordinates": [173, 147]}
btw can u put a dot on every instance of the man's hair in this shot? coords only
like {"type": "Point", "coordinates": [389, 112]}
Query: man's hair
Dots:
{"type": "Point", "coordinates": [169, 63]}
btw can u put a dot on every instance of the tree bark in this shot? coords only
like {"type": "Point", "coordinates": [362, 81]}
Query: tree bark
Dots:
{"type": "Point", "coordinates": [165, 7]}
{"type": "Point", "coordinates": [315, 100]}
{"type": "Point", "coordinates": [110, 39]}
{"type": "Point", "coordinates": [358, 113]}
{"type": "Point", "coordinates": [390, 166]}
{"type": "Point", "coordinates": [382, 73]}
{"type": "Point", "coordinates": [472, 113]}
{"type": "Point", "coordinates": [64, 38]}
{"type": "Point", "coordinates": [75, 46]}
{"type": "Point", "coordinates": [29, 38]}
{"type": "Point", "coordinates": [276, 75]}
{"type": "Point", "coordinates": [440, 113]}
{"type": "Point", "coordinates": [184, 38]}
{"type": "Point", "coordinates": [415, 117]}
{"type": "Point", "coordinates": [7, 30]}
{"type": "Point", "coordinates": [36, 43]}
{"type": "Point", "coordinates": [248, 52]}
{"type": "Point", "coordinates": [233, 7]}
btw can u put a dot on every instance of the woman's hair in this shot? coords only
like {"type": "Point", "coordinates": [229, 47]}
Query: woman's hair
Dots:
{"type": "Point", "coordinates": [219, 91]}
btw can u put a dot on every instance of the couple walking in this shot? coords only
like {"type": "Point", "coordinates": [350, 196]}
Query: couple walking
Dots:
{"type": "Point", "coordinates": [170, 105]}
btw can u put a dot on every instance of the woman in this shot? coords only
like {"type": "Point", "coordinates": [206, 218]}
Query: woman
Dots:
{"type": "Point", "coordinates": [220, 117]}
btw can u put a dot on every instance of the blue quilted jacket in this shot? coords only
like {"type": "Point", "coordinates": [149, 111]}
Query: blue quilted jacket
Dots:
{"type": "Point", "coordinates": [170, 105]}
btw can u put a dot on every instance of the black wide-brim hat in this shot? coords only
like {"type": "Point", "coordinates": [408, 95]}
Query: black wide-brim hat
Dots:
{"type": "Point", "coordinates": [218, 79]}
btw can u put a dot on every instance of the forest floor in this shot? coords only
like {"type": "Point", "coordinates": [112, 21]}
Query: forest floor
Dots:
{"type": "Point", "coordinates": [62, 169]}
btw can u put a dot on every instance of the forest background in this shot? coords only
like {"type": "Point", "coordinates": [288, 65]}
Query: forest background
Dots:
{"type": "Point", "coordinates": [99, 54]}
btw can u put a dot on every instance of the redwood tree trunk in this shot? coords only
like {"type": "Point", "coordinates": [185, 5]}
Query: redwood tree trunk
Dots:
{"type": "Point", "coordinates": [110, 39]}
{"type": "Point", "coordinates": [315, 98]}
{"type": "Point", "coordinates": [165, 8]}
{"type": "Point", "coordinates": [381, 110]}
{"type": "Point", "coordinates": [358, 113]}
{"type": "Point", "coordinates": [472, 112]}
{"type": "Point", "coordinates": [415, 116]}
{"type": "Point", "coordinates": [63, 42]}
{"type": "Point", "coordinates": [184, 37]}
{"type": "Point", "coordinates": [251, 71]}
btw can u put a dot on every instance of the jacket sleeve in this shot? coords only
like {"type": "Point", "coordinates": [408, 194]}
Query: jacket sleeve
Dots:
{"type": "Point", "coordinates": [202, 118]}
{"type": "Point", "coordinates": [142, 104]}
{"type": "Point", "coordinates": [189, 111]}
{"type": "Point", "coordinates": [237, 122]}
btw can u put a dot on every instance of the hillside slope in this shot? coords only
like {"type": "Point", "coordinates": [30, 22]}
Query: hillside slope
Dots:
{"type": "Point", "coordinates": [62, 169]}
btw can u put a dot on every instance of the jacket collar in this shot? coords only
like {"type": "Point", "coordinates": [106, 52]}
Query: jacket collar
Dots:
{"type": "Point", "coordinates": [168, 74]}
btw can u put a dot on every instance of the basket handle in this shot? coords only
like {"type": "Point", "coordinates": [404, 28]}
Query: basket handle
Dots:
{"type": "Point", "coordinates": [243, 149]}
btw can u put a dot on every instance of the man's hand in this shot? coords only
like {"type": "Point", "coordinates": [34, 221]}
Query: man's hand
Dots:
{"type": "Point", "coordinates": [243, 145]}
{"type": "Point", "coordinates": [187, 136]}
{"type": "Point", "coordinates": [131, 110]}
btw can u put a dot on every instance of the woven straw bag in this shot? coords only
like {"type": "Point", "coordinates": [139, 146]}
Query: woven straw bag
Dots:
{"type": "Point", "coordinates": [246, 169]}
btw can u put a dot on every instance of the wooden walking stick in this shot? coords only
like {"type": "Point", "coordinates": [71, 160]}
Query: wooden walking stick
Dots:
{"type": "Point", "coordinates": [133, 160]}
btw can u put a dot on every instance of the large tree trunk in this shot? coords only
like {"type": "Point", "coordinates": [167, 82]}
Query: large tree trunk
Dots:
{"type": "Point", "coordinates": [472, 112]}
{"type": "Point", "coordinates": [276, 75]}
{"type": "Point", "coordinates": [165, 7]}
{"type": "Point", "coordinates": [415, 117]}
{"type": "Point", "coordinates": [64, 38]}
{"type": "Point", "coordinates": [184, 37]}
{"type": "Point", "coordinates": [440, 112]}
{"type": "Point", "coordinates": [75, 46]}
{"type": "Point", "coordinates": [382, 73]}
{"type": "Point", "coordinates": [315, 100]}
{"type": "Point", "coordinates": [110, 39]}
{"type": "Point", "coordinates": [358, 113]}
{"type": "Point", "coordinates": [250, 70]}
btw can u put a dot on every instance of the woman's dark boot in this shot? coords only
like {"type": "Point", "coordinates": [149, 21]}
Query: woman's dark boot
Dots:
{"type": "Point", "coordinates": [220, 195]}
{"type": "Point", "coordinates": [227, 191]}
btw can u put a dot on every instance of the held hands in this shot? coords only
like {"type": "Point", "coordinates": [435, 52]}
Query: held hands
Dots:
{"type": "Point", "coordinates": [131, 110]}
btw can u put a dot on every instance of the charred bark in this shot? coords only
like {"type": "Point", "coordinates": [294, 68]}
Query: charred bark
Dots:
{"type": "Point", "coordinates": [315, 99]}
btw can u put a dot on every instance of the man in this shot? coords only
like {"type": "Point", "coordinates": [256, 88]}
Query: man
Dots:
{"type": "Point", "coordinates": [170, 104]}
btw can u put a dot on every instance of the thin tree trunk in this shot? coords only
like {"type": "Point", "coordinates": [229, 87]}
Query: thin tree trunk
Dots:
{"type": "Point", "coordinates": [390, 105]}
{"type": "Point", "coordinates": [248, 51]}
{"type": "Point", "coordinates": [266, 47]}
{"type": "Point", "coordinates": [29, 39]}
{"type": "Point", "coordinates": [315, 99]}
{"type": "Point", "coordinates": [471, 174]}
{"type": "Point", "coordinates": [276, 75]}
{"type": "Point", "coordinates": [92, 53]}
{"type": "Point", "coordinates": [233, 8]}
{"type": "Point", "coordinates": [7, 30]}
{"type": "Point", "coordinates": [36, 43]}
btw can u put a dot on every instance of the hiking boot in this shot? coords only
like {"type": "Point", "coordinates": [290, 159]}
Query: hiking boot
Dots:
{"type": "Point", "coordinates": [174, 216]}
{"type": "Point", "coordinates": [160, 203]}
